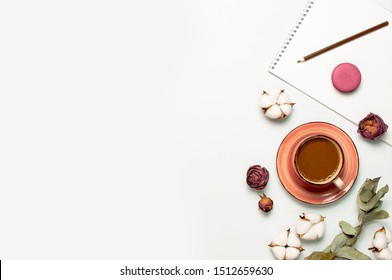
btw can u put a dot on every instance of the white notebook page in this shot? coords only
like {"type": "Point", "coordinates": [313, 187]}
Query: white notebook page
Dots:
{"type": "Point", "coordinates": [325, 22]}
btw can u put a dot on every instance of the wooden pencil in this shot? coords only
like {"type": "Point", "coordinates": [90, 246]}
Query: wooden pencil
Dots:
{"type": "Point", "coordinates": [344, 41]}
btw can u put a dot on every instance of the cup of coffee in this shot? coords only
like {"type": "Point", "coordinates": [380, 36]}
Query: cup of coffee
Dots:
{"type": "Point", "coordinates": [319, 160]}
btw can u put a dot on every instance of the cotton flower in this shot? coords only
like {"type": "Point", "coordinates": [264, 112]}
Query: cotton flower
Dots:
{"type": "Point", "coordinates": [382, 244]}
{"type": "Point", "coordinates": [276, 104]}
{"type": "Point", "coordinates": [310, 226]}
{"type": "Point", "coordinates": [286, 246]}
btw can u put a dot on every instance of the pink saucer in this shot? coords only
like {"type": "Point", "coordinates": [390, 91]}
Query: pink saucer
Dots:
{"type": "Point", "coordinates": [346, 77]}
{"type": "Point", "coordinates": [292, 182]}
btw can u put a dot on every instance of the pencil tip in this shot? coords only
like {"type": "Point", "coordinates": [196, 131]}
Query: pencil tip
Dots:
{"type": "Point", "coordinates": [301, 60]}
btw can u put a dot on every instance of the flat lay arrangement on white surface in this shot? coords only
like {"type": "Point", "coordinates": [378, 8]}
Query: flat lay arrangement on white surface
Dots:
{"type": "Point", "coordinates": [128, 127]}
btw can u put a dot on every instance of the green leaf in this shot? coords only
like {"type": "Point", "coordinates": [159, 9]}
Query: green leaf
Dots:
{"type": "Point", "coordinates": [320, 256]}
{"type": "Point", "coordinates": [351, 253]}
{"type": "Point", "coordinates": [380, 194]}
{"type": "Point", "coordinates": [370, 208]}
{"type": "Point", "coordinates": [378, 206]}
{"type": "Point", "coordinates": [368, 189]}
{"type": "Point", "coordinates": [351, 241]}
{"type": "Point", "coordinates": [338, 242]}
{"type": "Point", "coordinates": [328, 249]}
{"type": "Point", "coordinates": [347, 228]}
{"type": "Point", "coordinates": [374, 200]}
{"type": "Point", "coordinates": [375, 215]}
{"type": "Point", "coordinates": [361, 215]}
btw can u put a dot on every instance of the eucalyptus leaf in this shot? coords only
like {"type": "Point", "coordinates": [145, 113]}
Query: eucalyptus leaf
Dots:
{"type": "Point", "coordinates": [373, 201]}
{"type": "Point", "coordinates": [347, 228]}
{"type": "Point", "coordinates": [320, 256]}
{"type": "Point", "coordinates": [366, 195]}
{"type": "Point", "coordinates": [369, 204]}
{"type": "Point", "coordinates": [338, 242]}
{"type": "Point", "coordinates": [361, 215]}
{"type": "Point", "coordinates": [375, 215]}
{"type": "Point", "coordinates": [351, 253]}
{"type": "Point", "coordinates": [380, 194]}
{"type": "Point", "coordinates": [351, 241]}
{"type": "Point", "coordinates": [368, 189]}
{"type": "Point", "coordinates": [378, 206]}
{"type": "Point", "coordinates": [328, 249]}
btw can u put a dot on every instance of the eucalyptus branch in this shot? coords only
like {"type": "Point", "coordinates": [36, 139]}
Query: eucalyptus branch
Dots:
{"type": "Point", "coordinates": [369, 209]}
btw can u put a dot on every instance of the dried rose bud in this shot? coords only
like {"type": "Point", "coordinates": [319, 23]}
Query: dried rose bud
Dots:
{"type": "Point", "coordinates": [372, 127]}
{"type": "Point", "coordinates": [265, 203]}
{"type": "Point", "coordinates": [257, 177]}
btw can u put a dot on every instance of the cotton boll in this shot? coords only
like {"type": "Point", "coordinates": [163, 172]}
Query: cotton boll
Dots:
{"type": "Point", "coordinates": [292, 253]}
{"type": "Point", "coordinates": [388, 234]}
{"type": "Point", "coordinates": [279, 252]}
{"type": "Point", "coordinates": [274, 112]}
{"type": "Point", "coordinates": [293, 240]}
{"type": "Point", "coordinates": [382, 246]}
{"type": "Point", "coordinates": [275, 103]}
{"type": "Point", "coordinates": [286, 109]}
{"type": "Point", "coordinates": [274, 93]}
{"type": "Point", "coordinates": [313, 218]}
{"type": "Point", "coordinates": [319, 229]}
{"type": "Point", "coordinates": [280, 239]}
{"type": "Point", "coordinates": [266, 101]}
{"type": "Point", "coordinates": [310, 235]}
{"type": "Point", "coordinates": [384, 254]}
{"type": "Point", "coordinates": [310, 226]}
{"type": "Point", "coordinates": [283, 98]}
{"type": "Point", "coordinates": [303, 226]}
{"type": "Point", "coordinates": [380, 240]}
{"type": "Point", "coordinates": [286, 245]}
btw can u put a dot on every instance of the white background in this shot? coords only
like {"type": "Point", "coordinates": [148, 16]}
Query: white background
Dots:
{"type": "Point", "coordinates": [127, 128]}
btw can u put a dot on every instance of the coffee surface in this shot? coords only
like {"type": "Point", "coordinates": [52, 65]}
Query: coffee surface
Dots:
{"type": "Point", "coordinates": [318, 160]}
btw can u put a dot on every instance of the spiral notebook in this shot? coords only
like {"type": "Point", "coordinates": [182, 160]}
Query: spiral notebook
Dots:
{"type": "Point", "coordinates": [324, 22]}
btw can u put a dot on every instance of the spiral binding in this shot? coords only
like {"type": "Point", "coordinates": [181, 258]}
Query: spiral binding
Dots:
{"type": "Point", "coordinates": [292, 33]}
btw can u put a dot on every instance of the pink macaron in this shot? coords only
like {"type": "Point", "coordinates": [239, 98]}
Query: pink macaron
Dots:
{"type": "Point", "coordinates": [346, 77]}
